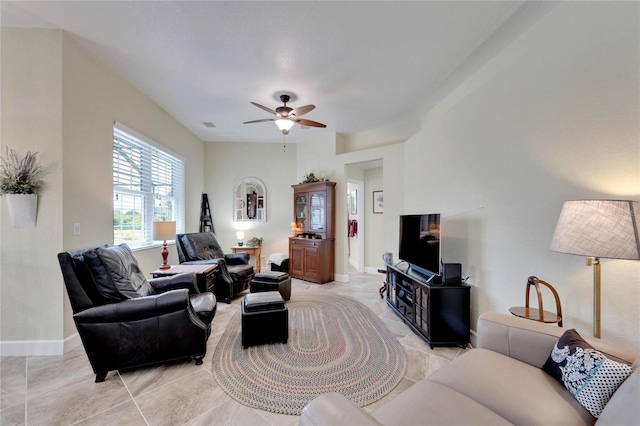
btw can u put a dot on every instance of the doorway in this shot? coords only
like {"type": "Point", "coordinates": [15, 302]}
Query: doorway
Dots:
{"type": "Point", "coordinates": [355, 214]}
{"type": "Point", "coordinates": [364, 243]}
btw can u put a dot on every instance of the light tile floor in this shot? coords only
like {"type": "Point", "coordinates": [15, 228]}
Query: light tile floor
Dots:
{"type": "Point", "coordinates": [60, 390]}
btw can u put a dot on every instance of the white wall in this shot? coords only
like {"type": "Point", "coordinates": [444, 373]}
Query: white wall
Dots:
{"type": "Point", "coordinates": [553, 117]}
{"type": "Point", "coordinates": [226, 164]}
{"type": "Point", "coordinates": [60, 100]}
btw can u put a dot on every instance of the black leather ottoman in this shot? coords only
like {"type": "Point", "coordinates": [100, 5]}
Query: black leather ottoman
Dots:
{"type": "Point", "coordinates": [272, 281]}
{"type": "Point", "coordinates": [265, 319]}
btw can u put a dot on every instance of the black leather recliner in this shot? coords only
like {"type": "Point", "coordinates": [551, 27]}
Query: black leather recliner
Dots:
{"type": "Point", "coordinates": [233, 274]}
{"type": "Point", "coordinates": [127, 321]}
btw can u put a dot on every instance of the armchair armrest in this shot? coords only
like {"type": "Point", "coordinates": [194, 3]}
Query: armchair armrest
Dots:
{"type": "Point", "coordinates": [175, 282]}
{"type": "Point", "coordinates": [237, 258]}
{"type": "Point", "coordinates": [136, 309]}
{"type": "Point", "coordinates": [334, 409]}
{"type": "Point", "coordinates": [523, 339]}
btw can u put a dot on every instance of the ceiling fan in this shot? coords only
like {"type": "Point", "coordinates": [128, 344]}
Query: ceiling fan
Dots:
{"type": "Point", "coordinates": [286, 117]}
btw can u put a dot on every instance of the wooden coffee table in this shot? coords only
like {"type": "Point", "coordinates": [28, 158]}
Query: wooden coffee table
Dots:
{"type": "Point", "coordinates": [204, 274]}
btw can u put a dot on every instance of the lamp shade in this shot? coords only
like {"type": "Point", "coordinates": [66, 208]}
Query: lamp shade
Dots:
{"type": "Point", "coordinates": [164, 230]}
{"type": "Point", "coordinates": [599, 228]}
{"type": "Point", "coordinates": [240, 235]}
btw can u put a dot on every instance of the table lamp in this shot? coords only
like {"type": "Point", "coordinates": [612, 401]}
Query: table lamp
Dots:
{"type": "Point", "coordinates": [240, 236]}
{"type": "Point", "coordinates": [164, 230]}
{"type": "Point", "coordinates": [598, 228]}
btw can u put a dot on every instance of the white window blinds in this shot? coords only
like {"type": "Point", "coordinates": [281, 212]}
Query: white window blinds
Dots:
{"type": "Point", "coordinates": [148, 185]}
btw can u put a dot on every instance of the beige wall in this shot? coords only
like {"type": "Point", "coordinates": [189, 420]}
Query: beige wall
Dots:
{"type": "Point", "coordinates": [554, 117]}
{"type": "Point", "coordinates": [226, 164]}
{"type": "Point", "coordinates": [31, 297]}
{"type": "Point", "coordinates": [60, 100]}
{"type": "Point", "coordinates": [373, 250]}
{"type": "Point", "coordinates": [319, 155]}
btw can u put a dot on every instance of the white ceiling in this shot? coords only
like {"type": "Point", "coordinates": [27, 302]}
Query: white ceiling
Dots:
{"type": "Point", "coordinates": [363, 64]}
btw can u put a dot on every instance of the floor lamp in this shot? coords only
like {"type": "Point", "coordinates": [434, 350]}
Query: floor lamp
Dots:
{"type": "Point", "coordinates": [598, 228]}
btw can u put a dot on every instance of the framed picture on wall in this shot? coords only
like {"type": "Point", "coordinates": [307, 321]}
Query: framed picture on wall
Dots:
{"type": "Point", "coordinates": [353, 197]}
{"type": "Point", "coordinates": [378, 202]}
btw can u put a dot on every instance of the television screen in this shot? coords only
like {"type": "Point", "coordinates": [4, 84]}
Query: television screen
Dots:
{"type": "Point", "coordinates": [420, 242]}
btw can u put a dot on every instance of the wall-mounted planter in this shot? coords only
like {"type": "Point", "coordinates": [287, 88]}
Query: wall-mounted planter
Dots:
{"type": "Point", "coordinates": [23, 209]}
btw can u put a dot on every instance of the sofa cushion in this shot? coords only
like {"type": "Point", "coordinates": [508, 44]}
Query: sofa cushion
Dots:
{"type": "Point", "coordinates": [587, 373]}
{"type": "Point", "coordinates": [519, 392]}
{"type": "Point", "coordinates": [202, 246]}
{"type": "Point", "coordinates": [432, 403]}
{"type": "Point", "coordinates": [116, 273]}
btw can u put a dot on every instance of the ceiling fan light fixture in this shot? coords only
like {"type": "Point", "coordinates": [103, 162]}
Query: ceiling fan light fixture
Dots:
{"type": "Point", "coordinates": [284, 124]}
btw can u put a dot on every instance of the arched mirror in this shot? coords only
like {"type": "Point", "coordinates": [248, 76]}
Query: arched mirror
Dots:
{"type": "Point", "coordinates": [250, 200]}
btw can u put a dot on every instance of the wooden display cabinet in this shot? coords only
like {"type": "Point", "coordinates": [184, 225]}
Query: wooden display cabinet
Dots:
{"type": "Point", "coordinates": [311, 251]}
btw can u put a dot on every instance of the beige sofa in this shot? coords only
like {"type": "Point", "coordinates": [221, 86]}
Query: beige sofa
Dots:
{"type": "Point", "coordinates": [500, 382]}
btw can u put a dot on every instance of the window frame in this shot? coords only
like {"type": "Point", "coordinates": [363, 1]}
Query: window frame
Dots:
{"type": "Point", "coordinates": [149, 154]}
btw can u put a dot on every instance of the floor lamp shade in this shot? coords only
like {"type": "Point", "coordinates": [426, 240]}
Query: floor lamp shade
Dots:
{"type": "Point", "coordinates": [598, 228]}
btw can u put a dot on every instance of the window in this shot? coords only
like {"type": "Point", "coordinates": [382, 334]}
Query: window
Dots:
{"type": "Point", "coordinates": [148, 183]}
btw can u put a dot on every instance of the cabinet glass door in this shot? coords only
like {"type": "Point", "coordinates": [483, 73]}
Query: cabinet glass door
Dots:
{"type": "Point", "coordinates": [317, 207]}
{"type": "Point", "coordinates": [301, 211]}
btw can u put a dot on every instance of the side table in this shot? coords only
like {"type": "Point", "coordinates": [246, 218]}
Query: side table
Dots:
{"type": "Point", "coordinates": [254, 250]}
{"type": "Point", "coordinates": [205, 277]}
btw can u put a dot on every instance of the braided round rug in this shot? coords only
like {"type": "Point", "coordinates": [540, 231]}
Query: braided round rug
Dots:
{"type": "Point", "coordinates": [336, 344]}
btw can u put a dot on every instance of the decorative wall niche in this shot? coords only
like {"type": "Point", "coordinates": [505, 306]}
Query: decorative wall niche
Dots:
{"type": "Point", "coordinates": [250, 200]}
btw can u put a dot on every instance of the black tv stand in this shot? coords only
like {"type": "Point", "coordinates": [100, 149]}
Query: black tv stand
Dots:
{"type": "Point", "coordinates": [438, 313]}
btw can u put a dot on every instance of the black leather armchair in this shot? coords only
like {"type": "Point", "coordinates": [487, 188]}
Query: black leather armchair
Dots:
{"type": "Point", "coordinates": [233, 274]}
{"type": "Point", "coordinates": [127, 321]}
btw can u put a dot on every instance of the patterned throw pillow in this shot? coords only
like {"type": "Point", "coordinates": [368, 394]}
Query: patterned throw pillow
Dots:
{"type": "Point", "coordinates": [588, 374]}
{"type": "Point", "coordinates": [566, 345]}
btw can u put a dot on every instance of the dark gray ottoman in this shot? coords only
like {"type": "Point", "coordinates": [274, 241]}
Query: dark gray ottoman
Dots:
{"type": "Point", "coordinates": [272, 281]}
{"type": "Point", "coordinates": [265, 319]}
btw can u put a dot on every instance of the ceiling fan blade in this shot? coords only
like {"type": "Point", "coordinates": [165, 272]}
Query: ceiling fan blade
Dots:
{"type": "Point", "coordinates": [309, 123]}
{"type": "Point", "coordinates": [264, 108]}
{"type": "Point", "coordinates": [298, 112]}
{"type": "Point", "coordinates": [259, 121]}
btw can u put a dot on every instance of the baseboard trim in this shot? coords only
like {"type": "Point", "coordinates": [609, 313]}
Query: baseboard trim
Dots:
{"type": "Point", "coordinates": [341, 278]}
{"type": "Point", "coordinates": [39, 347]}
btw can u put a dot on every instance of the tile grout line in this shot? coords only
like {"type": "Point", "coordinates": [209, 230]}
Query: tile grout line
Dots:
{"type": "Point", "coordinates": [132, 398]}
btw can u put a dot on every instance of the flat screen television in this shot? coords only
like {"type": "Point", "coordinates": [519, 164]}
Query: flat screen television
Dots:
{"type": "Point", "coordinates": [420, 243]}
